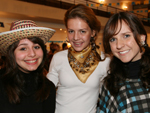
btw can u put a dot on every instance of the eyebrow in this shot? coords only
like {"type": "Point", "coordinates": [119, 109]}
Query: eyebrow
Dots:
{"type": "Point", "coordinates": [22, 44]}
{"type": "Point", "coordinates": [79, 29]}
{"type": "Point", "coordinates": [127, 32]}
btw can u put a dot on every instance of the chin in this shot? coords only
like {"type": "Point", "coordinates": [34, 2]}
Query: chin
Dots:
{"type": "Point", "coordinates": [125, 61]}
{"type": "Point", "coordinates": [32, 69]}
{"type": "Point", "coordinates": [78, 50]}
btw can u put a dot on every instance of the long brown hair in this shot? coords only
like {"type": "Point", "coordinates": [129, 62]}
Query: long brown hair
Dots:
{"type": "Point", "coordinates": [131, 20]}
{"type": "Point", "coordinates": [13, 80]}
{"type": "Point", "coordinates": [116, 74]}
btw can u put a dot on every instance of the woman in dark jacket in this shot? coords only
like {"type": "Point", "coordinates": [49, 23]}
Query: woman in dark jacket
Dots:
{"type": "Point", "coordinates": [126, 88]}
{"type": "Point", "coordinates": [23, 86]}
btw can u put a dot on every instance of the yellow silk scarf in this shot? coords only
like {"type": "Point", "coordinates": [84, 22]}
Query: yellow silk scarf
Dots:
{"type": "Point", "coordinates": [83, 63]}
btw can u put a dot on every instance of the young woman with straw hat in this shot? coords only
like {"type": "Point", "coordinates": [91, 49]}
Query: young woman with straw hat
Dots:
{"type": "Point", "coordinates": [23, 85]}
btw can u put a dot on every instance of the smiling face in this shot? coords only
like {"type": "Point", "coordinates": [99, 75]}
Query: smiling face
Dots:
{"type": "Point", "coordinates": [28, 55]}
{"type": "Point", "coordinates": [124, 46]}
{"type": "Point", "coordinates": [79, 33]}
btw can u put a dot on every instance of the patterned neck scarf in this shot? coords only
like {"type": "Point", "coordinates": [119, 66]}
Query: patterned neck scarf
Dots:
{"type": "Point", "coordinates": [83, 63]}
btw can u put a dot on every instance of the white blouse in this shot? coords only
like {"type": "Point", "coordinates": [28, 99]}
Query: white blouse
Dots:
{"type": "Point", "coordinates": [73, 96]}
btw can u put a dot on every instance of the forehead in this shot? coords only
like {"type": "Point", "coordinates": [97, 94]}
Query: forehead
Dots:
{"type": "Point", "coordinates": [26, 41]}
{"type": "Point", "coordinates": [77, 22]}
{"type": "Point", "coordinates": [121, 26]}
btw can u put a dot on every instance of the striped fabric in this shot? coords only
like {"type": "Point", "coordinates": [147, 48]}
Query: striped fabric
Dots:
{"type": "Point", "coordinates": [132, 98]}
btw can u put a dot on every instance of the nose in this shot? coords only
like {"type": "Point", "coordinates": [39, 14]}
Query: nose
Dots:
{"type": "Point", "coordinates": [76, 36]}
{"type": "Point", "coordinates": [120, 44]}
{"type": "Point", "coordinates": [31, 52]}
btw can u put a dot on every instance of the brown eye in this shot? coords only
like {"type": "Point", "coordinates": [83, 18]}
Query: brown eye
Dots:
{"type": "Point", "coordinates": [70, 31]}
{"type": "Point", "coordinates": [37, 47]}
{"type": "Point", "coordinates": [22, 49]}
{"type": "Point", "coordinates": [83, 31]}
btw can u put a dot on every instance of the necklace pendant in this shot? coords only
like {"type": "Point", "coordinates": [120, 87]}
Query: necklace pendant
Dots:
{"type": "Point", "coordinates": [82, 56]}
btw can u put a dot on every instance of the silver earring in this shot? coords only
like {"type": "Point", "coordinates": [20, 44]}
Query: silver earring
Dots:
{"type": "Point", "coordinates": [143, 43]}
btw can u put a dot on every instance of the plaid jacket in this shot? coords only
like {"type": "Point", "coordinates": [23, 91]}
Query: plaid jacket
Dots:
{"type": "Point", "coordinates": [132, 98]}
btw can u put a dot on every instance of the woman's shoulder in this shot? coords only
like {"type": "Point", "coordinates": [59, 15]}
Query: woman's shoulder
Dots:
{"type": "Point", "coordinates": [50, 83]}
{"type": "Point", "coordinates": [62, 53]}
{"type": "Point", "coordinates": [106, 58]}
{"type": "Point", "coordinates": [2, 71]}
{"type": "Point", "coordinates": [60, 56]}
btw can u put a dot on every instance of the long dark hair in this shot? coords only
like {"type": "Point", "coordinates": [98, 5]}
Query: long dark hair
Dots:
{"type": "Point", "coordinates": [116, 74]}
{"type": "Point", "coordinates": [13, 80]}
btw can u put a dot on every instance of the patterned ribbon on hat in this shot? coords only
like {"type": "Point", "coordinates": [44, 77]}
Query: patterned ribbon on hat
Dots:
{"type": "Point", "coordinates": [22, 24]}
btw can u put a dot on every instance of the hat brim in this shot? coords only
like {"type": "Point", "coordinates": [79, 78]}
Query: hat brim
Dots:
{"type": "Point", "coordinates": [9, 37]}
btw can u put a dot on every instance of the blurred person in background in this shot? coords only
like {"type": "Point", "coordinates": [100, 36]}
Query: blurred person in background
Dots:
{"type": "Point", "coordinates": [64, 46]}
{"type": "Point", "coordinates": [54, 48]}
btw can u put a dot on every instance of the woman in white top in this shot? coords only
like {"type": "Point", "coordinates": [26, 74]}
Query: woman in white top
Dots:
{"type": "Point", "coordinates": [77, 71]}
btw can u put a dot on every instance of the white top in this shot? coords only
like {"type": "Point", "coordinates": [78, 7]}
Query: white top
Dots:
{"type": "Point", "coordinates": [73, 96]}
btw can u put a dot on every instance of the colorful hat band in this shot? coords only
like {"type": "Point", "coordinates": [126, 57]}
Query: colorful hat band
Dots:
{"type": "Point", "coordinates": [22, 24]}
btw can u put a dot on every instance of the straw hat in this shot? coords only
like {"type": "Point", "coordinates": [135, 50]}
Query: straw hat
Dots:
{"type": "Point", "coordinates": [23, 29]}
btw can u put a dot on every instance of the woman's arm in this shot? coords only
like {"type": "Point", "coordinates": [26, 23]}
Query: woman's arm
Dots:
{"type": "Point", "coordinates": [53, 74]}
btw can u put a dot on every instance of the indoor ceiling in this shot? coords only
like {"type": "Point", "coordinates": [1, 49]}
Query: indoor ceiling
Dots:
{"type": "Point", "coordinates": [19, 16]}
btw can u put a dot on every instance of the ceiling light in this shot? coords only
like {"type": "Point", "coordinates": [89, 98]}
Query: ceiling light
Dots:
{"type": "Point", "coordinates": [101, 1]}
